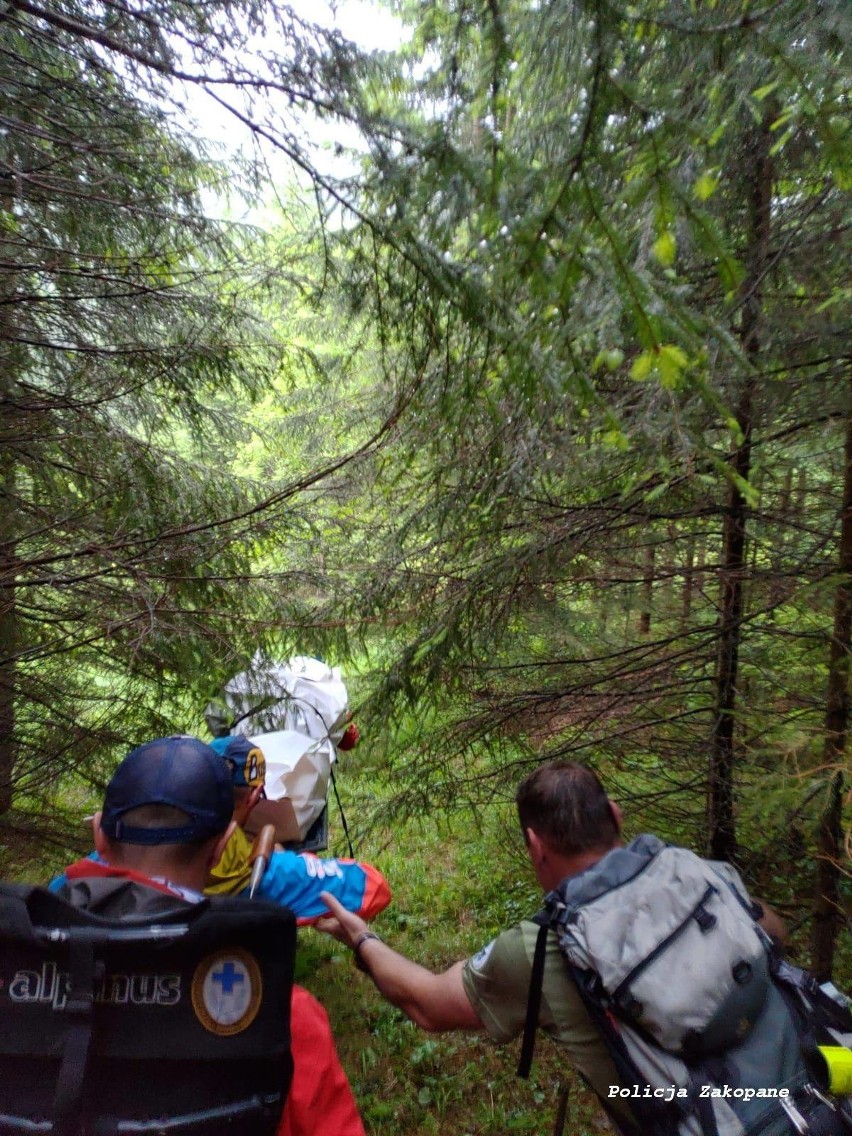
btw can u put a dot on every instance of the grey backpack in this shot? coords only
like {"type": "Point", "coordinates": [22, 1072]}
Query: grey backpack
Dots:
{"type": "Point", "coordinates": [708, 1028]}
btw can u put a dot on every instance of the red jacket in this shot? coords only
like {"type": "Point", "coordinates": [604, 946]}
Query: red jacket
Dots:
{"type": "Point", "coordinates": [320, 1101]}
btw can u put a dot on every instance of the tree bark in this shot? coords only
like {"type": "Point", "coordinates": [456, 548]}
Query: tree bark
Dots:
{"type": "Point", "coordinates": [8, 627]}
{"type": "Point", "coordinates": [647, 589]}
{"type": "Point", "coordinates": [721, 823]}
{"type": "Point", "coordinates": [722, 841]}
{"type": "Point", "coordinates": [688, 570]}
{"type": "Point", "coordinates": [8, 558]}
{"type": "Point", "coordinates": [826, 908]}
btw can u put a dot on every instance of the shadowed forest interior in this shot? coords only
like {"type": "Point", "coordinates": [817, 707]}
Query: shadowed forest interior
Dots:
{"type": "Point", "coordinates": [505, 366]}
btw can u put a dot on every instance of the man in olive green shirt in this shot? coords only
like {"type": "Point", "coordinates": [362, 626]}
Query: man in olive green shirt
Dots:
{"type": "Point", "coordinates": [569, 824]}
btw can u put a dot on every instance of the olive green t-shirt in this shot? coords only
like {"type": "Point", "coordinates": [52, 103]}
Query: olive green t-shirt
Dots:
{"type": "Point", "coordinates": [497, 981]}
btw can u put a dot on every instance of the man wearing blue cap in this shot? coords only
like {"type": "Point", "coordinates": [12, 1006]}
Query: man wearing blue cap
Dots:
{"type": "Point", "coordinates": [173, 793]}
{"type": "Point", "coordinates": [166, 818]}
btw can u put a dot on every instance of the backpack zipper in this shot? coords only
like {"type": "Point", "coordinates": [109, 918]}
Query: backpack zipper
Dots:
{"type": "Point", "coordinates": [678, 931]}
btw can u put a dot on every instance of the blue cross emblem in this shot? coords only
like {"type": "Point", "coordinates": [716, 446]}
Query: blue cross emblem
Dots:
{"type": "Point", "coordinates": [226, 992]}
{"type": "Point", "coordinates": [228, 977]}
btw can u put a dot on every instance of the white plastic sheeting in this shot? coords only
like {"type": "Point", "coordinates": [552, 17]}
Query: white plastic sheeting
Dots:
{"type": "Point", "coordinates": [296, 712]}
{"type": "Point", "coordinates": [299, 769]}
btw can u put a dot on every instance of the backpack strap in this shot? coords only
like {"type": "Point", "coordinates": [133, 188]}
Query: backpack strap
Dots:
{"type": "Point", "coordinates": [599, 1018]}
{"type": "Point", "coordinates": [17, 923]}
{"type": "Point", "coordinates": [533, 1002]}
{"type": "Point", "coordinates": [654, 1117]}
{"type": "Point", "coordinates": [78, 1008]}
{"type": "Point", "coordinates": [787, 976]}
{"type": "Point", "coordinates": [817, 1017]}
{"type": "Point", "coordinates": [706, 1116]}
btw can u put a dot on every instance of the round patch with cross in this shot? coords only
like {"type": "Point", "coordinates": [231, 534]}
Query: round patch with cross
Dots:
{"type": "Point", "coordinates": [226, 991]}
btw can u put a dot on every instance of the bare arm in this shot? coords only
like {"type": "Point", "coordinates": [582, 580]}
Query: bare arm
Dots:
{"type": "Point", "coordinates": [436, 1002]}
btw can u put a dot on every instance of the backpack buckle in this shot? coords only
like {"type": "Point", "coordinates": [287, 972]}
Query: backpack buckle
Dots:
{"type": "Point", "coordinates": [795, 1117]}
{"type": "Point", "coordinates": [556, 911]}
{"type": "Point", "coordinates": [705, 920]}
{"type": "Point", "coordinates": [814, 1092]}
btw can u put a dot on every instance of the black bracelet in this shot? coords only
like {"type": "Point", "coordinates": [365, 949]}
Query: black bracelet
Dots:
{"type": "Point", "coordinates": [364, 937]}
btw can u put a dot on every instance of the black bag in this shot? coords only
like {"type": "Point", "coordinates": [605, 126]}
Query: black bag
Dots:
{"type": "Point", "coordinates": [176, 1023]}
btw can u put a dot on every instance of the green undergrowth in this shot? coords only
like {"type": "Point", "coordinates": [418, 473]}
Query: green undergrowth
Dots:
{"type": "Point", "coordinates": [454, 888]}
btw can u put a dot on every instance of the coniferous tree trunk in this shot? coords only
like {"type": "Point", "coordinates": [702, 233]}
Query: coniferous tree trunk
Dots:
{"type": "Point", "coordinates": [8, 621]}
{"type": "Point", "coordinates": [693, 570]}
{"type": "Point", "coordinates": [778, 584]}
{"type": "Point", "coordinates": [647, 589]}
{"type": "Point", "coordinates": [721, 822]}
{"type": "Point", "coordinates": [688, 582]}
{"type": "Point", "coordinates": [830, 837]}
{"type": "Point", "coordinates": [8, 632]}
{"type": "Point", "coordinates": [722, 841]}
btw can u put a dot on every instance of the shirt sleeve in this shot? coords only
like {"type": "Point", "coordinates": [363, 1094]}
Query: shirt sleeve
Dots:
{"type": "Point", "coordinates": [298, 881]}
{"type": "Point", "coordinates": [232, 874]}
{"type": "Point", "coordinates": [320, 1101]}
{"type": "Point", "coordinates": [496, 980]}
{"type": "Point", "coordinates": [497, 983]}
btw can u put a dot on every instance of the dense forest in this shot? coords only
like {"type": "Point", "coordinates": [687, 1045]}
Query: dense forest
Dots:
{"type": "Point", "coordinates": [528, 401]}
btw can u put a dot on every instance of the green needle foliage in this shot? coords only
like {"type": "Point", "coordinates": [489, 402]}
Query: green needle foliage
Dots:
{"type": "Point", "coordinates": [544, 410]}
{"type": "Point", "coordinates": [601, 254]}
{"type": "Point", "coordinates": [135, 336]}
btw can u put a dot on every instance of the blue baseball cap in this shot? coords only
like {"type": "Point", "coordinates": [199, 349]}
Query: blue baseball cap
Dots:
{"type": "Point", "coordinates": [244, 758]}
{"type": "Point", "coordinates": [179, 771]}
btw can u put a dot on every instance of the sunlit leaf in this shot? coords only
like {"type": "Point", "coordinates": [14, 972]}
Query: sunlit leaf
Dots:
{"type": "Point", "coordinates": [642, 366]}
{"type": "Point", "coordinates": [705, 186]}
{"type": "Point", "coordinates": [665, 248]}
